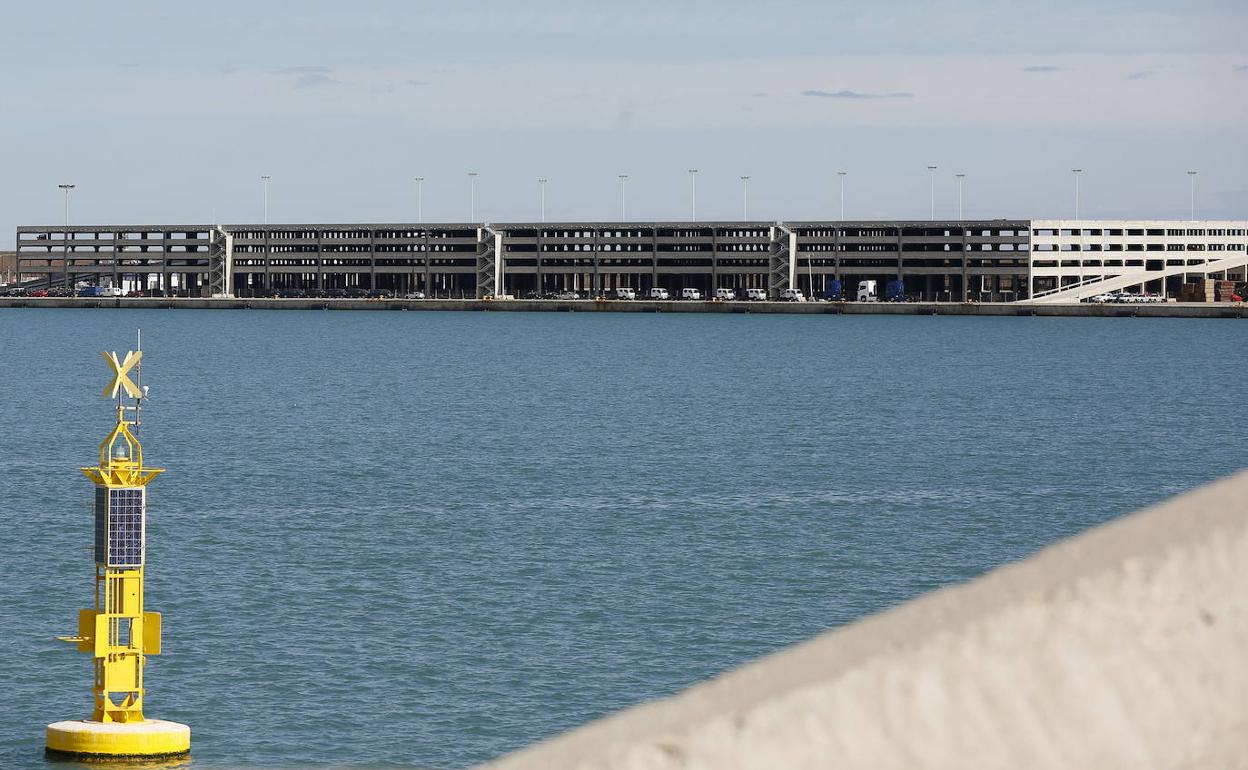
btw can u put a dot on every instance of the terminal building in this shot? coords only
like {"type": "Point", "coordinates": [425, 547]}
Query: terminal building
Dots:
{"type": "Point", "coordinates": [999, 260]}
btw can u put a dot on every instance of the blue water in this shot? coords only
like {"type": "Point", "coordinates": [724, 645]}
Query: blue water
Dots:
{"type": "Point", "coordinates": [476, 530]}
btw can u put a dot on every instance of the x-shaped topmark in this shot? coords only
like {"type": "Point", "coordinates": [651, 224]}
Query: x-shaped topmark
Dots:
{"type": "Point", "coordinates": [121, 378]}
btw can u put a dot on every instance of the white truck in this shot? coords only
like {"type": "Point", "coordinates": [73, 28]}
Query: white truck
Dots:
{"type": "Point", "coordinates": [690, 294]}
{"type": "Point", "coordinates": [867, 292]}
{"type": "Point", "coordinates": [624, 293]}
{"type": "Point", "coordinates": [725, 295]}
{"type": "Point", "coordinates": [657, 293]}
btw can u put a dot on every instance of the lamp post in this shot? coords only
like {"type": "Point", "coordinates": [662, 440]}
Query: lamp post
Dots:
{"type": "Point", "coordinates": [264, 182]}
{"type": "Point", "coordinates": [1076, 172]}
{"type": "Point", "coordinates": [961, 179]}
{"type": "Point", "coordinates": [65, 188]}
{"type": "Point", "coordinates": [472, 196]}
{"type": "Point", "coordinates": [745, 198]}
{"type": "Point", "coordinates": [931, 172]}
{"type": "Point", "coordinates": [420, 200]}
{"type": "Point", "coordinates": [693, 194]}
{"type": "Point", "coordinates": [841, 174]}
{"type": "Point", "coordinates": [541, 187]}
{"type": "Point", "coordinates": [623, 200]}
{"type": "Point", "coordinates": [1192, 176]}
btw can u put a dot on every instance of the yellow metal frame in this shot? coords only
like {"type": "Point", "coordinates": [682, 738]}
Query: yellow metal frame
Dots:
{"type": "Point", "coordinates": [118, 633]}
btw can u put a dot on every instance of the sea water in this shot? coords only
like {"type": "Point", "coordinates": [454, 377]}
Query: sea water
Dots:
{"type": "Point", "coordinates": [477, 530]}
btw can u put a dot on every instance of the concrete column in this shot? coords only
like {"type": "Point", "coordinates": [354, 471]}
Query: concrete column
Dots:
{"type": "Point", "coordinates": [966, 260]}
{"type": "Point", "coordinates": [320, 263]}
{"type": "Point", "coordinates": [372, 259]}
{"type": "Point", "coordinates": [428, 265]}
{"type": "Point", "coordinates": [268, 258]}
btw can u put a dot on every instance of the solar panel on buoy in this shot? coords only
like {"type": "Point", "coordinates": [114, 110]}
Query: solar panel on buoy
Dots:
{"type": "Point", "coordinates": [119, 527]}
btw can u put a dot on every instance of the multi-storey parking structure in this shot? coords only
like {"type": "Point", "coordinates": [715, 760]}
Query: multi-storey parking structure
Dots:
{"type": "Point", "coordinates": [980, 260]}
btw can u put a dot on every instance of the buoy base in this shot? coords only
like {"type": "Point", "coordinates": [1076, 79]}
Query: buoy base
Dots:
{"type": "Point", "coordinates": [105, 740]}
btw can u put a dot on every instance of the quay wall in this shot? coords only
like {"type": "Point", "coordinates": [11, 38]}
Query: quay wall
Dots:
{"type": "Point", "coordinates": [1122, 647]}
{"type": "Point", "coordinates": [1157, 310]}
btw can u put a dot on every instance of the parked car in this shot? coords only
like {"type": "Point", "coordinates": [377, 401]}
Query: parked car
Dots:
{"type": "Point", "coordinates": [414, 295]}
{"type": "Point", "coordinates": [657, 293]}
{"type": "Point", "coordinates": [726, 295]}
{"type": "Point", "coordinates": [625, 293]}
{"type": "Point", "coordinates": [688, 293]}
{"type": "Point", "coordinates": [355, 292]}
{"type": "Point", "coordinates": [568, 295]}
{"type": "Point", "coordinates": [792, 295]}
{"type": "Point", "coordinates": [756, 295]}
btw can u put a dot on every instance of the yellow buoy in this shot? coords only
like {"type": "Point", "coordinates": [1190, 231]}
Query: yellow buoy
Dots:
{"type": "Point", "coordinates": [119, 633]}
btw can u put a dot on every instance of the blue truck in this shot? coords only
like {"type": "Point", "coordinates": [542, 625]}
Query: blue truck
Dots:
{"type": "Point", "coordinates": [895, 291]}
{"type": "Point", "coordinates": [833, 291]}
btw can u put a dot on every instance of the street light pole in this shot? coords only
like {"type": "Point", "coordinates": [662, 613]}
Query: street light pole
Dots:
{"type": "Point", "coordinates": [931, 171]}
{"type": "Point", "coordinates": [841, 174]}
{"type": "Point", "coordinates": [420, 200]}
{"type": "Point", "coordinates": [961, 179]}
{"type": "Point", "coordinates": [623, 200]}
{"type": "Point", "coordinates": [541, 185]}
{"type": "Point", "coordinates": [264, 181]}
{"type": "Point", "coordinates": [1077, 172]}
{"type": "Point", "coordinates": [745, 199]}
{"type": "Point", "coordinates": [472, 196]}
{"type": "Point", "coordinates": [1192, 175]}
{"type": "Point", "coordinates": [65, 188]}
{"type": "Point", "coordinates": [693, 201]}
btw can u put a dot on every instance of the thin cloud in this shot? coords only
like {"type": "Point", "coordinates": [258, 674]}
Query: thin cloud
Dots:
{"type": "Point", "coordinates": [1141, 75]}
{"type": "Point", "coordinates": [1241, 68]}
{"type": "Point", "coordinates": [310, 77]}
{"type": "Point", "coordinates": [846, 94]}
{"type": "Point", "coordinates": [1040, 68]}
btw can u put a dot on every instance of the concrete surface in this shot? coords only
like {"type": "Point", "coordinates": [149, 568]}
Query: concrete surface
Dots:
{"type": "Point", "coordinates": [1159, 310]}
{"type": "Point", "coordinates": [1124, 647]}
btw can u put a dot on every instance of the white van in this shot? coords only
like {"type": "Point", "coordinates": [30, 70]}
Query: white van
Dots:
{"type": "Point", "coordinates": [727, 295]}
{"type": "Point", "coordinates": [623, 293]}
{"type": "Point", "coordinates": [690, 294]}
{"type": "Point", "coordinates": [792, 295]}
{"type": "Point", "coordinates": [657, 293]}
{"type": "Point", "coordinates": [867, 292]}
{"type": "Point", "coordinates": [756, 295]}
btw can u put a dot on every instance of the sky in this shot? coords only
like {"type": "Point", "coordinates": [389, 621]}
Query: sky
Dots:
{"type": "Point", "coordinates": [167, 112]}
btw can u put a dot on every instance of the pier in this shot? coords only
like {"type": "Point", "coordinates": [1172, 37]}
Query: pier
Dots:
{"type": "Point", "coordinates": [1118, 648]}
{"type": "Point", "coordinates": [999, 309]}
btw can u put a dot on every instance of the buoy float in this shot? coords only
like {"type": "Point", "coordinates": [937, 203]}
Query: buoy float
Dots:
{"type": "Point", "coordinates": [119, 633]}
